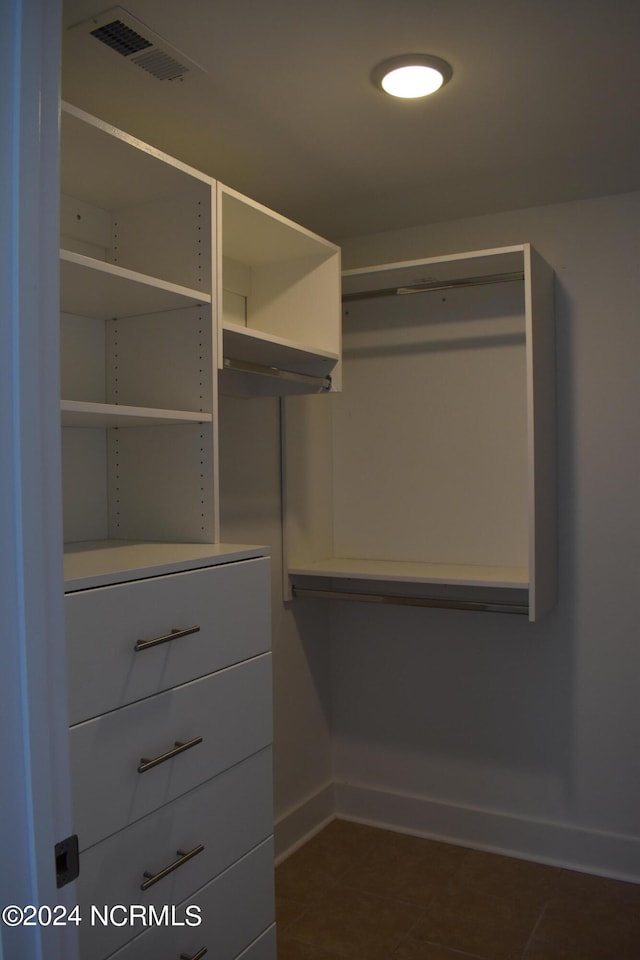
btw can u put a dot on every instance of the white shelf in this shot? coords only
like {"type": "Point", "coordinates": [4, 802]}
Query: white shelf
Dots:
{"type": "Point", "coordinates": [77, 413]}
{"type": "Point", "coordinates": [256, 346]}
{"type": "Point", "coordinates": [98, 563]}
{"type": "Point", "coordinates": [393, 571]}
{"type": "Point", "coordinates": [95, 288]}
{"type": "Point", "coordinates": [448, 269]}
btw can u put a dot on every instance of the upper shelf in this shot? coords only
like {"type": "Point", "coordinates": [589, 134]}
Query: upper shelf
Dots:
{"type": "Point", "coordinates": [257, 346]}
{"type": "Point", "coordinates": [486, 266]}
{"type": "Point", "coordinates": [94, 288]}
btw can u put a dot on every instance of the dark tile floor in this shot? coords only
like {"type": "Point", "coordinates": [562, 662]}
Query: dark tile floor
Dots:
{"type": "Point", "coordinates": [358, 893]}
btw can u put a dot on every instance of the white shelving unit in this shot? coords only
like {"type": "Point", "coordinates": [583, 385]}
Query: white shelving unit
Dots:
{"type": "Point", "coordinates": [138, 340]}
{"type": "Point", "coordinates": [279, 299]}
{"type": "Point", "coordinates": [431, 478]}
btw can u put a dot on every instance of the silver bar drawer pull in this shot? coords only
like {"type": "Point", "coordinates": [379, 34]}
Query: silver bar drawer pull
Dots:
{"type": "Point", "coordinates": [197, 956]}
{"type": "Point", "coordinates": [180, 747]}
{"type": "Point", "coordinates": [175, 634]}
{"type": "Point", "coordinates": [183, 857]}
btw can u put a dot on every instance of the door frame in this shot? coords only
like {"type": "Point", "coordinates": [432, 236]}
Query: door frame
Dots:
{"type": "Point", "coordinates": [34, 753]}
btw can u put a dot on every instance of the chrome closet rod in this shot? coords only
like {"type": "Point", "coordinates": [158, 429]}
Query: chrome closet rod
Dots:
{"type": "Point", "coordinates": [430, 285]}
{"type": "Point", "coordinates": [481, 605]}
{"type": "Point", "coordinates": [244, 366]}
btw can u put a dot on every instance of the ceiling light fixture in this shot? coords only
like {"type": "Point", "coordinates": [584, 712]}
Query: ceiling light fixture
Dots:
{"type": "Point", "coordinates": [412, 75]}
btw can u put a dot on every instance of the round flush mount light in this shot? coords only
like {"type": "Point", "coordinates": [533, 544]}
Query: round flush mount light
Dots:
{"type": "Point", "coordinates": [412, 75]}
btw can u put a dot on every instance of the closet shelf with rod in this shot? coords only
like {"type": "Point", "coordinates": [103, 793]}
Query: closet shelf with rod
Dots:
{"type": "Point", "coordinates": [430, 480]}
{"type": "Point", "coordinates": [278, 302]}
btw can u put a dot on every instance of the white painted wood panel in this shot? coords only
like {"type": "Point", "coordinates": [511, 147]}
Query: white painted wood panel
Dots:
{"type": "Point", "coordinates": [82, 358]}
{"type": "Point", "coordinates": [79, 413]}
{"type": "Point", "coordinates": [229, 816]}
{"type": "Point", "coordinates": [402, 571]}
{"type": "Point", "coordinates": [229, 928]}
{"type": "Point", "coordinates": [541, 379]}
{"type": "Point", "coordinates": [93, 288]}
{"type": "Point", "coordinates": [169, 237]}
{"type": "Point", "coordinates": [85, 228]}
{"type": "Point", "coordinates": [229, 603]}
{"type": "Point", "coordinates": [448, 268]}
{"type": "Point", "coordinates": [243, 343]}
{"type": "Point", "coordinates": [107, 562]}
{"type": "Point", "coordinates": [162, 360]}
{"type": "Point", "coordinates": [430, 433]}
{"type": "Point", "coordinates": [230, 710]}
{"type": "Point", "coordinates": [84, 484]}
{"type": "Point", "coordinates": [162, 483]}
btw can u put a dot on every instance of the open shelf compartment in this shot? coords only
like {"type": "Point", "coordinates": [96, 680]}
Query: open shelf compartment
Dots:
{"type": "Point", "coordinates": [431, 478]}
{"type": "Point", "coordinates": [279, 297]}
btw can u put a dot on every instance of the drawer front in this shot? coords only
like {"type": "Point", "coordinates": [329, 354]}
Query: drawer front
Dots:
{"type": "Point", "coordinates": [230, 710]}
{"type": "Point", "coordinates": [264, 948]}
{"type": "Point", "coordinates": [237, 913]}
{"type": "Point", "coordinates": [228, 816]}
{"type": "Point", "coordinates": [229, 603]}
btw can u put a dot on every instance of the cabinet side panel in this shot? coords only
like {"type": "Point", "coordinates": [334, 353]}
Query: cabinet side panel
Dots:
{"type": "Point", "coordinates": [84, 484]}
{"type": "Point", "coordinates": [82, 358]}
{"type": "Point", "coordinates": [168, 238]}
{"type": "Point", "coordinates": [307, 479]}
{"type": "Point", "coordinates": [299, 300]}
{"type": "Point", "coordinates": [162, 360]}
{"type": "Point", "coordinates": [85, 228]}
{"type": "Point", "coordinates": [542, 435]}
{"type": "Point", "coordinates": [161, 483]}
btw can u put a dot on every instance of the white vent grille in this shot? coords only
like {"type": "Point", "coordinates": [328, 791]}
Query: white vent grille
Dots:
{"type": "Point", "coordinates": [159, 64]}
{"type": "Point", "coordinates": [136, 43]}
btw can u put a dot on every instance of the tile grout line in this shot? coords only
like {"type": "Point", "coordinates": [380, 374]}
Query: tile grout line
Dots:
{"type": "Point", "coordinates": [535, 927]}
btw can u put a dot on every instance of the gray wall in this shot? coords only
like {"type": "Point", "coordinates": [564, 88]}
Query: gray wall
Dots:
{"type": "Point", "coordinates": [537, 722]}
{"type": "Point", "coordinates": [251, 513]}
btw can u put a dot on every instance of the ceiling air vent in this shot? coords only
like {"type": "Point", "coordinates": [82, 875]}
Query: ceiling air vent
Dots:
{"type": "Point", "coordinates": [123, 33]}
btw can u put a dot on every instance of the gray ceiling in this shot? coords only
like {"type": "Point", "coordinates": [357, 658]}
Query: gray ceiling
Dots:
{"type": "Point", "coordinates": [543, 105]}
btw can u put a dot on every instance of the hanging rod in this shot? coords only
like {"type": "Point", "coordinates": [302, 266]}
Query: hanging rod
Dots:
{"type": "Point", "coordinates": [480, 605]}
{"type": "Point", "coordinates": [430, 285]}
{"type": "Point", "coordinates": [261, 370]}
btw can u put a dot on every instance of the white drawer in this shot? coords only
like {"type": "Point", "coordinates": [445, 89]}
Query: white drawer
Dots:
{"type": "Point", "coordinates": [264, 948]}
{"type": "Point", "coordinates": [237, 911]}
{"type": "Point", "coordinates": [229, 603]}
{"type": "Point", "coordinates": [228, 816]}
{"type": "Point", "coordinates": [230, 710]}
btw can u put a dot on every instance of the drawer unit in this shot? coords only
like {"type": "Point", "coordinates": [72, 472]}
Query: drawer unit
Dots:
{"type": "Point", "coordinates": [217, 822]}
{"type": "Point", "coordinates": [229, 604]}
{"type": "Point", "coordinates": [236, 910]}
{"type": "Point", "coordinates": [231, 710]}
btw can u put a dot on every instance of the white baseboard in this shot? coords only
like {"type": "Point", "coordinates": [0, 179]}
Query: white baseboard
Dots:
{"type": "Point", "coordinates": [558, 844]}
{"type": "Point", "coordinates": [295, 827]}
